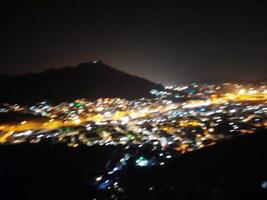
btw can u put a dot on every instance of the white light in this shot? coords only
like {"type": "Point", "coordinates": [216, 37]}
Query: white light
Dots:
{"type": "Point", "coordinates": [26, 133]}
{"type": "Point", "coordinates": [98, 178]}
{"type": "Point", "coordinates": [211, 130]}
{"type": "Point", "coordinates": [168, 156]}
{"type": "Point", "coordinates": [232, 111]}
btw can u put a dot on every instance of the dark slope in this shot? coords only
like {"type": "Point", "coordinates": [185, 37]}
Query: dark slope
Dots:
{"type": "Point", "coordinates": [232, 169]}
{"type": "Point", "coordinates": [87, 80]}
{"type": "Point", "coordinates": [50, 172]}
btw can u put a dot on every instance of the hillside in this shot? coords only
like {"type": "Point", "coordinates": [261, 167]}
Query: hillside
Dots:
{"type": "Point", "coordinates": [233, 169]}
{"type": "Point", "coordinates": [87, 80]}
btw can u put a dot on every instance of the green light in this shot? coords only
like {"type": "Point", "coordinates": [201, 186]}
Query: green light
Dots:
{"type": "Point", "coordinates": [78, 105]}
{"type": "Point", "coordinates": [44, 113]}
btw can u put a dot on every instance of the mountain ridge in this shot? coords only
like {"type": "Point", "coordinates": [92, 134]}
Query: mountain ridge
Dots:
{"type": "Point", "coordinates": [91, 80]}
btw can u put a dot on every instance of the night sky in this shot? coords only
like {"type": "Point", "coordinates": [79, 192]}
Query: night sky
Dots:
{"type": "Point", "coordinates": [165, 42]}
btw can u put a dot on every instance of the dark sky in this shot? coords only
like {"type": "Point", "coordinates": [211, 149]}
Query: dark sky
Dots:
{"type": "Point", "coordinates": [165, 42]}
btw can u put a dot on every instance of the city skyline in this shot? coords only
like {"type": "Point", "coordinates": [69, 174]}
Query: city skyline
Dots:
{"type": "Point", "coordinates": [133, 99]}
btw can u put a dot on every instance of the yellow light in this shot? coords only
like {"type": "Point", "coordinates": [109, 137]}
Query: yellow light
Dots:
{"type": "Point", "coordinates": [242, 91]}
{"type": "Point", "coordinates": [185, 123]}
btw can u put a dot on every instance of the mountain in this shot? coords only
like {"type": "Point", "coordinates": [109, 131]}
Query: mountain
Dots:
{"type": "Point", "coordinates": [87, 80]}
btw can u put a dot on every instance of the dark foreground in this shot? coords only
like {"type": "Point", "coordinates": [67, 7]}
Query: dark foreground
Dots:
{"type": "Point", "coordinates": [234, 169]}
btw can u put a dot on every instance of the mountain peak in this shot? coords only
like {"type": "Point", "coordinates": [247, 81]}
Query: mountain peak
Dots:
{"type": "Point", "coordinates": [90, 80]}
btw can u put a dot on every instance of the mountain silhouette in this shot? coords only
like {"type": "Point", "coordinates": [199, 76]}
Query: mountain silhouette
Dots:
{"type": "Point", "coordinates": [87, 80]}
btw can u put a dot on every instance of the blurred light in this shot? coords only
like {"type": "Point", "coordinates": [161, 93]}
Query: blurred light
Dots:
{"type": "Point", "coordinates": [141, 161]}
{"type": "Point", "coordinates": [264, 184]}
